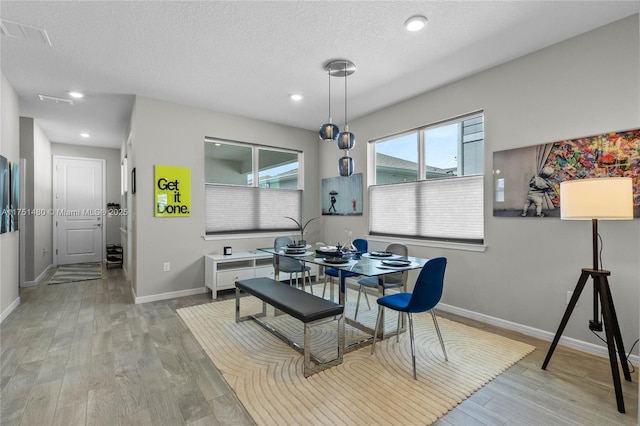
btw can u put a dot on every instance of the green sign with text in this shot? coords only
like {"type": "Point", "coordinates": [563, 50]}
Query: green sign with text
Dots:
{"type": "Point", "coordinates": [172, 191]}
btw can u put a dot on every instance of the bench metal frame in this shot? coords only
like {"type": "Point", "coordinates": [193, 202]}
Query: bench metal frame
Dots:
{"type": "Point", "coordinates": [311, 364]}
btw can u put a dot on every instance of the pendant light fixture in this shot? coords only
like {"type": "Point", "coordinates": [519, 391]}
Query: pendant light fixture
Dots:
{"type": "Point", "coordinates": [328, 131]}
{"type": "Point", "coordinates": [345, 165]}
{"type": "Point", "coordinates": [345, 140]}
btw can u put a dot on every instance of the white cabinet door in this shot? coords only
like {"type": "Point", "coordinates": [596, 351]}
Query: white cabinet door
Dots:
{"type": "Point", "coordinates": [265, 271]}
{"type": "Point", "coordinates": [227, 279]}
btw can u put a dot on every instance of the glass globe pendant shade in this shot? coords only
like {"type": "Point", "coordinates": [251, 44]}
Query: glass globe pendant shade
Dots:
{"type": "Point", "coordinates": [328, 132]}
{"type": "Point", "coordinates": [345, 166]}
{"type": "Point", "coordinates": [346, 140]}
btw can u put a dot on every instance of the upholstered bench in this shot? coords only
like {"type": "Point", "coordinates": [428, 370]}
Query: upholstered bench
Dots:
{"type": "Point", "coordinates": [309, 309]}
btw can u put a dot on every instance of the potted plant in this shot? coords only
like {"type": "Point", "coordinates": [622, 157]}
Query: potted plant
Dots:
{"type": "Point", "coordinates": [302, 229]}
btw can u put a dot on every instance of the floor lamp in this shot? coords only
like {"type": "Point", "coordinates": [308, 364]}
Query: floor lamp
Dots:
{"type": "Point", "coordinates": [598, 199]}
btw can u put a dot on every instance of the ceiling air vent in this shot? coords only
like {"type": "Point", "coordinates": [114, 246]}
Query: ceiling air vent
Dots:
{"type": "Point", "coordinates": [24, 32]}
{"type": "Point", "coordinates": [54, 99]}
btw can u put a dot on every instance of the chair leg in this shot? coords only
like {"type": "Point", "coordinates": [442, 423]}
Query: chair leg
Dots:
{"type": "Point", "coordinates": [310, 285]}
{"type": "Point", "coordinates": [328, 279]}
{"type": "Point", "coordinates": [367, 299]}
{"type": "Point", "coordinates": [324, 289]}
{"type": "Point", "coordinates": [400, 313]}
{"type": "Point", "coordinates": [413, 348]}
{"type": "Point", "coordinates": [375, 333]}
{"type": "Point", "coordinates": [435, 322]}
{"type": "Point", "coordinates": [355, 317]}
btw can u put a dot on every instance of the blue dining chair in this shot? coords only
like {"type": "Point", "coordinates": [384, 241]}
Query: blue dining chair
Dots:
{"type": "Point", "coordinates": [391, 280]}
{"type": "Point", "coordinates": [362, 246]}
{"type": "Point", "coordinates": [425, 296]}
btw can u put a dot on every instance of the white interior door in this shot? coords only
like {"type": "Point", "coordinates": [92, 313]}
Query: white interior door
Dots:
{"type": "Point", "coordinates": [79, 212]}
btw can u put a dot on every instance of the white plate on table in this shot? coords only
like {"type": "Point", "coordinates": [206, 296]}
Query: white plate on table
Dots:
{"type": "Point", "coordinates": [306, 253]}
{"type": "Point", "coordinates": [373, 256]}
{"type": "Point", "coordinates": [328, 249]}
{"type": "Point", "coordinates": [396, 264]}
{"type": "Point", "coordinates": [347, 262]}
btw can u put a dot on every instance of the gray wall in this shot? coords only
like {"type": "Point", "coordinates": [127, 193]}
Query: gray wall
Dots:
{"type": "Point", "coordinates": [35, 148]}
{"type": "Point", "coordinates": [9, 242]}
{"type": "Point", "coordinates": [528, 266]}
{"type": "Point", "coordinates": [168, 134]}
{"type": "Point", "coordinates": [112, 159]}
{"type": "Point", "coordinates": [583, 86]}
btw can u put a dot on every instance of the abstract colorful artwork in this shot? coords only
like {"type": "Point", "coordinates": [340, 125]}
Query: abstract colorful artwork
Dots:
{"type": "Point", "coordinates": [527, 180]}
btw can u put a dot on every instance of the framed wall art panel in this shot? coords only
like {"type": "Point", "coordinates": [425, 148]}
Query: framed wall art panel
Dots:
{"type": "Point", "coordinates": [527, 180]}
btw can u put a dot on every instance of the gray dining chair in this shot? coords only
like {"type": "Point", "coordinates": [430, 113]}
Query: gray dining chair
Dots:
{"type": "Point", "coordinates": [391, 280]}
{"type": "Point", "coordinates": [289, 264]}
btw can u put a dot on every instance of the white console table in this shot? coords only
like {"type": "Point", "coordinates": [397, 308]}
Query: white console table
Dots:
{"type": "Point", "coordinates": [222, 271]}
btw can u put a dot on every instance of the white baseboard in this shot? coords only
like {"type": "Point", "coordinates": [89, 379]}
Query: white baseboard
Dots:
{"type": "Point", "coordinates": [169, 295]}
{"type": "Point", "coordinates": [534, 332]}
{"type": "Point", "coordinates": [38, 279]}
{"type": "Point", "coordinates": [10, 309]}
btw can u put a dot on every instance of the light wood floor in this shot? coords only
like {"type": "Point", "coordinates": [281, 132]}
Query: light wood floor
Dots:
{"type": "Point", "coordinates": [82, 353]}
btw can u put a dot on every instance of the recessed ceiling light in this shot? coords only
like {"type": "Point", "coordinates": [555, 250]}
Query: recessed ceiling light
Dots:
{"type": "Point", "coordinates": [76, 95]}
{"type": "Point", "coordinates": [296, 97]}
{"type": "Point", "coordinates": [85, 135]}
{"type": "Point", "coordinates": [415, 23]}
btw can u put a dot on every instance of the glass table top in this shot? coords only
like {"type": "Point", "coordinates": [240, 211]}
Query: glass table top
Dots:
{"type": "Point", "coordinates": [361, 265]}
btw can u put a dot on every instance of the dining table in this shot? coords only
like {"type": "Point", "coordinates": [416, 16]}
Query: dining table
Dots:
{"type": "Point", "coordinates": [371, 264]}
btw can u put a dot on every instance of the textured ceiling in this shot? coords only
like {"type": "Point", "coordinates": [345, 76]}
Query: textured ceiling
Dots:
{"type": "Point", "coordinates": [245, 58]}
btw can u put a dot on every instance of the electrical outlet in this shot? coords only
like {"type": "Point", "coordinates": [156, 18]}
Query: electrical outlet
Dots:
{"type": "Point", "coordinates": [166, 267]}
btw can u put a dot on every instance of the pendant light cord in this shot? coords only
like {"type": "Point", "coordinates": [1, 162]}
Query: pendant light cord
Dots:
{"type": "Point", "coordinates": [346, 125]}
{"type": "Point", "coordinates": [329, 74]}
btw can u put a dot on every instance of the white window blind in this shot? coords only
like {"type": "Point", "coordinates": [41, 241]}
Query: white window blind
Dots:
{"type": "Point", "coordinates": [232, 209]}
{"type": "Point", "coordinates": [443, 209]}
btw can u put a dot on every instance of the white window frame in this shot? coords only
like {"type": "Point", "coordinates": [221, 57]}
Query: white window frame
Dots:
{"type": "Point", "coordinates": [267, 220]}
{"type": "Point", "coordinates": [474, 241]}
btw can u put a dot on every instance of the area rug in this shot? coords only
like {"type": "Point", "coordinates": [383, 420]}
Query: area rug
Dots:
{"type": "Point", "coordinates": [266, 374]}
{"type": "Point", "coordinates": [77, 272]}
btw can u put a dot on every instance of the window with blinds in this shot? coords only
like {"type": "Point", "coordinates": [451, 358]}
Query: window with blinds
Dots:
{"type": "Point", "coordinates": [437, 209]}
{"type": "Point", "coordinates": [237, 209]}
{"type": "Point", "coordinates": [429, 182]}
{"type": "Point", "coordinates": [250, 188]}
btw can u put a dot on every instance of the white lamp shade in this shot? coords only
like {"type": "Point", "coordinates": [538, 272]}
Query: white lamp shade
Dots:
{"type": "Point", "coordinates": [601, 198]}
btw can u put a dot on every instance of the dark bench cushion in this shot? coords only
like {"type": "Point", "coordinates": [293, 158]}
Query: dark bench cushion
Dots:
{"type": "Point", "coordinates": [303, 306]}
